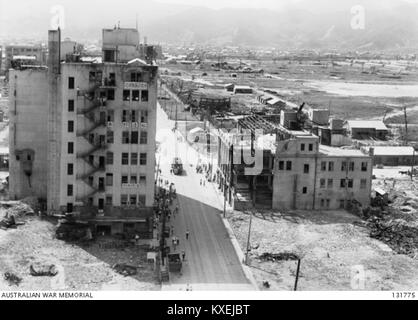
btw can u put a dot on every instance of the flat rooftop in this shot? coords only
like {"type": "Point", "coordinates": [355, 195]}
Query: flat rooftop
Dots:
{"type": "Point", "coordinates": [340, 152]}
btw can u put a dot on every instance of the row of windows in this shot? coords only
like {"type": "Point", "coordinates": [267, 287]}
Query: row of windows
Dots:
{"type": "Point", "coordinates": [287, 165]}
{"type": "Point", "coordinates": [109, 94]}
{"type": "Point", "coordinates": [303, 147]}
{"type": "Point", "coordinates": [129, 137]}
{"type": "Point", "coordinates": [126, 179]}
{"type": "Point", "coordinates": [132, 159]}
{"type": "Point", "coordinates": [132, 200]}
{"type": "Point", "coordinates": [350, 166]}
{"type": "Point", "coordinates": [344, 183]}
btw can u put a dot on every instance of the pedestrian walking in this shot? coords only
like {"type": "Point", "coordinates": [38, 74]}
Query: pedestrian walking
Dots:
{"type": "Point", "coordinates": [183, 254]}
{"type": "Point", "coordinates": [200, 181]}
{"type": "Point", "coordinates": [187, 234]}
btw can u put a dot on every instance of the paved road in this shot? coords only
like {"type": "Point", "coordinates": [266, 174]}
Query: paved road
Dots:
{"type": "Point", "coordinates": [211, 261]}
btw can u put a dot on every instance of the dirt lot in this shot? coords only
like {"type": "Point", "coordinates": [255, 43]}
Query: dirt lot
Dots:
{"type": "Point", "coordinates": [333, 246]}
{"type": "Point", "coordinates": [80, 268]}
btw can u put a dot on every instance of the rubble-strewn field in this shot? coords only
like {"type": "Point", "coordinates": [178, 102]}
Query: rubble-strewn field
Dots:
{"type": "Point", "coordinates": [79, 267]}
{"type": "Point", "coordinates": [333, 246]}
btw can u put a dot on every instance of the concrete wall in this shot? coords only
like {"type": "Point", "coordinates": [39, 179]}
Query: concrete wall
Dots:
{"type": "Point", "coordinates": [289, 185]}
{"type": "Point", "coordinates": [28, 112]}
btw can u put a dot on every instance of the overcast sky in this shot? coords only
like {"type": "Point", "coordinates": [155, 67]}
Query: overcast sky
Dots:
{"type": "Point", "coordinates": [270, 4]}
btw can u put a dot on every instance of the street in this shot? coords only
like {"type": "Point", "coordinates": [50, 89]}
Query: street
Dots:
{"type": "Point", "coordinates": [211, 261]}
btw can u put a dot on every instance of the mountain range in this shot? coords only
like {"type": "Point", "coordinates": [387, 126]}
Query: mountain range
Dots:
{"type": "Point", "coordinates": [304, 24]}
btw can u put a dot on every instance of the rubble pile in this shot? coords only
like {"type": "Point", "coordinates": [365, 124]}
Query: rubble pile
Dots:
{"type": "Point", "coordinates": [72, 231]}
{"type": "Point", "coordinates": [125, 270]}
{"type": "Point", "coordinates": [12, 279]}
{"type": "Point", "coordinates": [397, 234]}
{"type": "Point", "coordinates": [274, 257]}
{"type": "Point", "coordinates": [38, 270]}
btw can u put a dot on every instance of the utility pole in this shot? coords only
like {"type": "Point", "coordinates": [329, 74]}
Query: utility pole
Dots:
{"type": "Point", "coordinates": [406, 126]}
{"type": "Point", "coordinates": [297, 276]}
{"type": "Point", "coordinates": [249, 238]}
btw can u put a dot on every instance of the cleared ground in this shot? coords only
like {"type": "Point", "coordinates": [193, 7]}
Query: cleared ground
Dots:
{"type": "Point", "coordinates": [333, 246]}
{"type": "Point", "coordinates": [80, 268]}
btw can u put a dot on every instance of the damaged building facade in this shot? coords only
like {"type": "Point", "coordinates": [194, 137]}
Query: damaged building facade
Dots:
{"type": "Point", "coordinates": [91, 128]}
{"type": "Point", "coordinates": [298, 172]}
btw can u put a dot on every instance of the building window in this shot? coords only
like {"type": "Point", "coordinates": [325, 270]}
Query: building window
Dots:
{"type": "Point", "coordinates": [363, 184]}
{"type": "Point", "coordinates": [141, 200]}
{"type": "Point", "coordinates": [330, 183]}
{"type": "Point", "coordinates": [109, 180]}
{"type": "Point", "coordinates": [70, 126]}
{"type": "Point", "coordinates": [125, 159]}
{"type": "Point", "coordinates": [110, 94]}
{"type": "Point", "coordinates": [344, 166]}
{"type": "Point", "coordinates": [144, 95]}
{"type": "Point", "coordinates": [342, 204]}
{"type": "Point", "coordinates": [109, 200]}
{"type": "Point", "coordinates": [70, 147]}
{"type": "Point", "coordinates": [135, 95]}
{"type": "Point", "coordinates": [144, 137]}
{"type": "Point", "coordinates": [134, 179]}
{"type": "Point", "coordinates": [125, 116]}
{"type": "Point", "coordinates": [70, 208]}
{"type": "Point", "coordinates": [305, 190]}
{"type": "Point", "coordinates": [109, 55]}
{"type": "Point", "coordinates": [70, 169]}
{"type": "Point", "coordinates": [134, 159]}
{"type": "Point", "coordinates": [124, 200]}
{"type": "Point", "coordinates": [132, 200]}
{"type": "Point", "coordinates": [311, 147]}
{"type": "Point", "coordinates": [70, 105]}
{"type": "Point", "coordinates": [110, 138]}
{"type": "Point", "coordinates": [134, 137]}
{"type": "Point", "coordinates": [142, 179]}
{"type": "Point", "coordinates": [144, 116]}
{"type": "Point", "coordinates": [70, 190]}
{"type": "Point", "coordinates": [136, 77]}
{"type": "Point", "coordinates": [306, 168]}
{"type": "Point", "coordinates": [109, 158]}
{"type": "Point", "coordinates": [331, 166]}
{"type": "Point", "coordinates": [125, 137]}
{"type": "Point", "coordinates": [364, 166]}
{"type": "Point", "coordinates": [126, 95]}
{"type": "Point", "coordinates": [302, 147]}
{"type": "Point", "coordinates": [328, 203]}
{"type": "Point", "coordinates": [143, 159]}
{"type": "Point", "coordinates": [322, 203]}
{"type": "Point", "coordinates": [110, 116]}
{"type": "Point", "coordinates": [323, 166]}
{"type": "Point", "coordinates": [124, 179]}
{"type": "Point", "coordinates": [281, 165]}
{"type": "Point", "coordinates": [350, 184]}
{"type": "Point", "coordinates": [342, 183]}
{"type": "Point", "coordinates": [322, 183]}
{"type": "Point", "coordinates": [71, 82]}
{"type": "Point", "coordinates": [351, 168]}
{"type": "Point", "coordinates": [289, 165]}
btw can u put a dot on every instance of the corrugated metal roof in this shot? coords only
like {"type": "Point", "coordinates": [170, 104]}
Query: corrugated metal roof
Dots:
{"type": "Point", "coordinates": [378, 125]}
{"type": "Point", "coordinates": [393, 151]}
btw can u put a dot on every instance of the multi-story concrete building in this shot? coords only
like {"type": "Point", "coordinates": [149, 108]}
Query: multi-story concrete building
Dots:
{"type": "Point", "coordinates": [94, 154]}
{"type": "Point", "coordinates": [37, 52]}
{"type": "Point", "coordinates": [311, 176]}
{"type": "Point", "coordinates": [297, 172]}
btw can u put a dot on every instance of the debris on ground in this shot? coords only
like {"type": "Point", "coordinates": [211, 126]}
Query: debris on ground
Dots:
{"type": "Point", "coordinates": [401, 237]}
{"type": "Point", "coordinates": [70, 231]}
{"type": "Point", "coordinates": [12, 279]}
{"type": "Point", "coordinates": [125, 270]}
{"type": "Point", "coordinates": [273, 257]}
{"type": "Point", "coordinates": [38, 270]}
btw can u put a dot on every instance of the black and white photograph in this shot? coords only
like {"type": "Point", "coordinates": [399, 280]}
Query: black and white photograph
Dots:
{"type": "Point", "coordinates": [196, 149]}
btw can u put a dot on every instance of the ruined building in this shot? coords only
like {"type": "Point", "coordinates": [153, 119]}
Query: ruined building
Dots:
{"type": "Point", "coordinates": [83, 133]}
